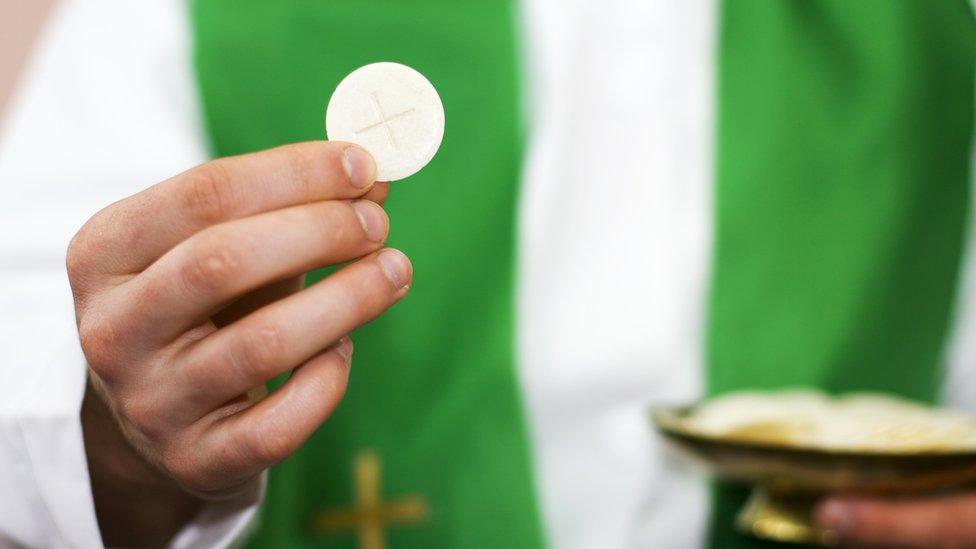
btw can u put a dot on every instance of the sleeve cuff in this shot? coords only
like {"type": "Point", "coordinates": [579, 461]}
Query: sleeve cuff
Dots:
{"type": "Point", "coordinates": [223, 524]}
{"type": "Point", "coordinates": [49, 469]}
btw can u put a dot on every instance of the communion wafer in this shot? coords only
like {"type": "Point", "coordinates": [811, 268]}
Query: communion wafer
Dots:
{"type": "Point", "coordinates": [392, 111]}
{"type": "Point", "coordinates": [855, 422]}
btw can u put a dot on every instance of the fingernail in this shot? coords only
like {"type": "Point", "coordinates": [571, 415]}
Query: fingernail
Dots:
{"type": "Point", "coordinates": [372, 218]}
{"type": "Point", "coordinates": [837, 516]}
{"type": "Point", "coordinates": [395, 266]}
{"type": "Point", "coordinates": [344, 348]}
{"type": "Point", "coordinates": [359, 167]}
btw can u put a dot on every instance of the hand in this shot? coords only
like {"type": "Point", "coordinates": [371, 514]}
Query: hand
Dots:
{"type": "Point", "coordinates": [187, 301]}
{"type": "Point", "coordinates": [948, 521]}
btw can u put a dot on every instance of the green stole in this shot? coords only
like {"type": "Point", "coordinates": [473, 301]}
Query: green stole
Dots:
{"type": "Point", "coordinates": [433, 390]}
{"type": "Point", "coordinates": [842, 197]}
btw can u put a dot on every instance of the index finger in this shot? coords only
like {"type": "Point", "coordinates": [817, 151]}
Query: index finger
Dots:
{"type": "Point", "coordinates": [134, 232]}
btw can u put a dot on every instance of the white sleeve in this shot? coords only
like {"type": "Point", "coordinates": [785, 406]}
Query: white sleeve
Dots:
{"type": "Point", "coordinates": [107, 106]}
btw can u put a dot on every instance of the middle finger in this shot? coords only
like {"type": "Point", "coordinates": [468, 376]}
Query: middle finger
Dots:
{"type": "Point", "coordinates": [286, 333]}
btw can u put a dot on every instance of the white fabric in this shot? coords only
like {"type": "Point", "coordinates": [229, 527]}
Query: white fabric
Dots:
{"type": "Point", "coordinates": [613, 263]}
{"type": "Point", "coordinates": [959, 381]}
{"type": "Point", "coordinates": [106, 107]}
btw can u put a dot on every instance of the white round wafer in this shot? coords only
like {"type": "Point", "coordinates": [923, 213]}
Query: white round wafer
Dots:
{"type": "Point", "coordinates": [393, 112]}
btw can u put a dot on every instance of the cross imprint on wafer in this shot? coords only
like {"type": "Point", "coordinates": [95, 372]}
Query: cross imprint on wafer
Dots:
{"type": "Point", "coordinates": [383, 120]}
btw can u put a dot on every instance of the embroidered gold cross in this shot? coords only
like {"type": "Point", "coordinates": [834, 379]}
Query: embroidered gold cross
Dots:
{"type": "Point", "coordinates": [383, 120]}
{"type": "Point", "coordinates": [369, 514]}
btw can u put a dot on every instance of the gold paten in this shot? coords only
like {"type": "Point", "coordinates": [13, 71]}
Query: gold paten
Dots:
{"type": "Point", "coordinates": [789, 479]}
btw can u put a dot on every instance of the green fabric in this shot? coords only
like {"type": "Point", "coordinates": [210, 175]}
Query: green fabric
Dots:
{"type": "Point", "coordinates": [841, 197]}
{"type": "Point", "coordinates": [433, 387]}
